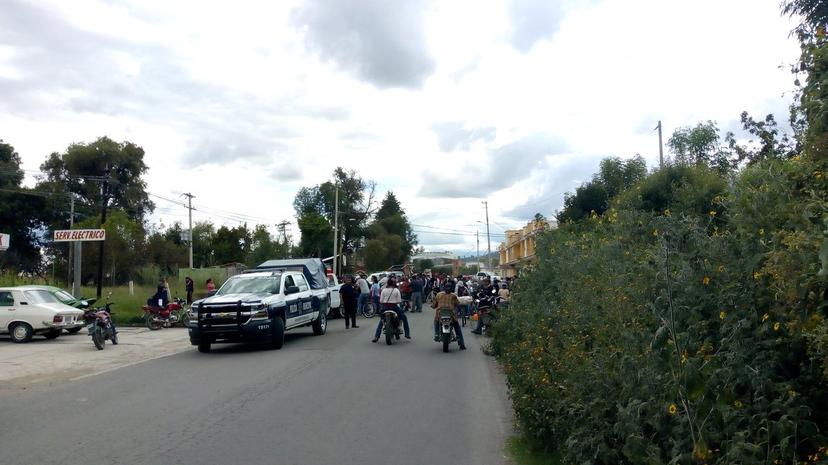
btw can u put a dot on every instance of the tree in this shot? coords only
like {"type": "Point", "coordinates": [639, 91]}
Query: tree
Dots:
{"type": "Point", "coordinates": [232, 245]}
{"type": "Point", "coordinates": [614, 176]}
{"type": "Point", "coordinates": [813, 63]}
{"type": "Point", "coordinates": [390, 236]}
{"type": "Point", "coordinates": [19, 214]}
{"type": "Point", "coordinates": [123, 247]}
{"type": "Point", "coordinates": [317, 236]}
{"type": "Point", "coordinates": [83, 168]}
{"type": "Point", "coordinates": [265, 248]}
{"type": "Point", "coordinates": [700, 145]}
{"type": "Point", "coordinates": [204, 234]}
{"type": "Point", "coordinates": [772, 143]}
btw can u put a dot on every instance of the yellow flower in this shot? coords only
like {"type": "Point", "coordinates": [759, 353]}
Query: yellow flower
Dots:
{"type": "Point", "coordinates": [765, 317]}
{"type": "Point", "coordinates": [712, 213]}
{"type": "Point", "coordinates": [722, 315]}
{"type": "Point", "coordinates": [721, 269]}
{"type": "Point", "coordinates": [672, 409]}
{"type": "Point", "coordinates": [791, 393]}
{"type": "Point", "coordinates": [655, 232]}
{"type": "Point", "coordinates": [776, 326]}
{"type": "Point", "coordinates": [706, 280]}
{"type": "Point", "coordinates": [738, 404]}
{"type": "Point", "coordinates": [667, 212]}
{"type": "Point", "coordinates": [761, 231]}
{"type": "Point", "coordinates": [757, 275]}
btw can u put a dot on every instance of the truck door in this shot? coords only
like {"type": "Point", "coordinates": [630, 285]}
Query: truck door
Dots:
{"type": "Point", "coordinates": [306, 297]}
{"type": "Point", "coordinates": [293, 302]}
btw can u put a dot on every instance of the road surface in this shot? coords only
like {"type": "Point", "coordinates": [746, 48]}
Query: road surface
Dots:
{"type": "Point", "coordinates": [332, 399]}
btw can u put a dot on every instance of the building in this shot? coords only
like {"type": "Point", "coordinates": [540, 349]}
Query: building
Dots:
{"type": "Point", "coordinates": [519, 247]}
{"type": "Point", "coordinates": [437, 258]}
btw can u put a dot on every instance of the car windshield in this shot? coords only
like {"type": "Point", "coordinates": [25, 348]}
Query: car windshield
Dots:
{"type": "Point", "coordinates": [64, 296]}
{"type": "Point", "coordinates": [40, 297]}
{"type": "Point", "coordinates": [254, 285]}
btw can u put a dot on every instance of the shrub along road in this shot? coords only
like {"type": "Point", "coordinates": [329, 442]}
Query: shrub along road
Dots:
{"type": "Point", "coordinates": [337, 398]}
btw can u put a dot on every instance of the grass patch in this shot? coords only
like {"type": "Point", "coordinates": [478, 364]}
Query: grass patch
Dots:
{"type": "Point", "coordinates": [524, 452]}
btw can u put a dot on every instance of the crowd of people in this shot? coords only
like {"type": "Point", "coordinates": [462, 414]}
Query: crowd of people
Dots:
{"type": "Point", "coordinates": [408, 293]}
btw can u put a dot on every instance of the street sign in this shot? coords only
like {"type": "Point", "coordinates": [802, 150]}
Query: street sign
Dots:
{"type": "Point", "coordinates": [185, 236]}
{"type": "Point", "coordinates": [4, 241]}
{"type": "Point", "coordinates": [75, 235]}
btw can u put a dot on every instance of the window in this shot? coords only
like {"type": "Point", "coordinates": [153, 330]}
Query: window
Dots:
{"type": "Point", "coordinates": [289, 282]}
{"type": "Point", "coordinates": [300, 281]}
{"type": "Point", "coordinates": [330, 280]}
{"type": "Point", "coordinates": [40, 297]}
{"type": "Point", "coordinates": [252, 285]}
{"type": "Point", "coordinates": [6, 299]}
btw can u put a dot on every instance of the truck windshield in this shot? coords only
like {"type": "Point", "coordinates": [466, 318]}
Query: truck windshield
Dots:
{"type": "Point", "coordinates": [251, 285]}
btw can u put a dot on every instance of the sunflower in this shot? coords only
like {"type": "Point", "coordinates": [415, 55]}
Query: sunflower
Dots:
{"type": "Point", "coordinates": [672, 409]}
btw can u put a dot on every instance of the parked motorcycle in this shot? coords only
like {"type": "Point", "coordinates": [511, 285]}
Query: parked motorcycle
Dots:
{"type": "Point", "coordinates": [391, 326]}
{"type": "Point", "coordinates": [164, 317]}
{"type": "Point", "coordinates": [100, 326]}
{"type": "Point", "coordinates": [447, 334]}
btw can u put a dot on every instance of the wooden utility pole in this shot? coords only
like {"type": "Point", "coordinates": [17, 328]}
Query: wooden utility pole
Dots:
{"type": "Point", "coordinates": [190, 209]}
{"type": "Point", "coordinates": [283, 230]}
{"type": "Point", "coordinates": [71, 246]}
{"type": "Point", "coordinates": [336, 232]}
{"type": "Point", "coordinates": [104, 201]}
{"type": "Point", "coordinates": [488, 235]}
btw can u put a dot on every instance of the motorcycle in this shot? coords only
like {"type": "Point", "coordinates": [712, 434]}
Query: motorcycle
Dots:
{"type": "Point", "coordinates": [157, 317]}
{"type": "Point", "coordinates": [486, 316]}
{"type": "Point", "coordinates": [100, 326]}
{"type": "Point", "coordinates": [447, 335]}
{"type": "Point", "coordinates": [391, 325]}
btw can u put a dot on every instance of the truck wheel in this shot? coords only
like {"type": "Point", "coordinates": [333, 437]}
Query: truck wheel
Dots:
{"type": "Point", "coordinates": [278, 337]}
{"type": "Point", "coordinates": [53, 334]}
{"type": "Point", "coordinates": [340, 311]}
{"type": "Point", "coordinates": [320, 325]}
{"type": "Point", "coordinates": [204, 347]}
{"type": "Point", "coordinates": [21, 332]}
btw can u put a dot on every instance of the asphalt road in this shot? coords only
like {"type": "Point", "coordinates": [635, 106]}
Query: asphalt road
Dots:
{"type": "Point", "coordinates": [332, 399]}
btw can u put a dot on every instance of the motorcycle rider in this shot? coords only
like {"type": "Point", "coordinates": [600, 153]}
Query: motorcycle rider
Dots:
{"type": "Point", "coordinates": [161, 294]}
{"type": "Point", "coordinates": [390, 298]}
{"type": "Point", "coordinates": [486, 297]}
{"type": "Point", "coordinates": [447, 300]}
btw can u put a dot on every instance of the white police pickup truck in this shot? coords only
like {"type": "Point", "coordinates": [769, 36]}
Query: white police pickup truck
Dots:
{"type": "Point", "coordinates": [261, 304]}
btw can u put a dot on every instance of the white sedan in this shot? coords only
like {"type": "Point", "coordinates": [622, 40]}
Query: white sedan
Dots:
{"type": "Point", "coordinates": [26, 311]}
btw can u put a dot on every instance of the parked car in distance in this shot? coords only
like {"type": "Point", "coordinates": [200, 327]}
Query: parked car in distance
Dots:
{"type": "Point", "coordinates": [69, 300]}
{"type": "Point", "coordinates": [26, 311]}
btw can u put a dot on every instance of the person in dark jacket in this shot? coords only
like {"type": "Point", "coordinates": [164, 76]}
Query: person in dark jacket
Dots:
{"type": "Point", "coordinates": [349, 293]}
{"type": "Point", "coordinates": [161, 295]}
{"type": "Point", "coordinates": [188, 286]}
{"type": "Point", "coordinates": [417, 294]}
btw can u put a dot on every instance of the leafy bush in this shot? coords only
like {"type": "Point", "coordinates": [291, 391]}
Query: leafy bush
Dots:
{"type": "Point", "coordinates": [689, 329]}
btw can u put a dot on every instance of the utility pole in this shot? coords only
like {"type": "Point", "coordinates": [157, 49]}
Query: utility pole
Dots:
{"type": "Point", "coordinates": [190, 208]}
{"type": "Point", "coordinates": [477, 234]}
{"type": "Point", "coordinates": [104, 201]}
{"type": "Point", "coordinates": [283, 230]}
{"type": "Point", "coordinates": [488, 235]}
{"type": "Point", "coordinates": [70, 244]}
{"type": "Point", "coordinates": [336, 232]}
{"type": "Point", "coordinates": [660, 147]}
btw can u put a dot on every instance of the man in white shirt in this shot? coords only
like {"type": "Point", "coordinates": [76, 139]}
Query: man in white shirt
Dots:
{"type": "Point", "coordinates": [364, 292]}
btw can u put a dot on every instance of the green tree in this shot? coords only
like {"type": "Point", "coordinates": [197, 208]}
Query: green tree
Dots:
{"type": "Point", "coordinates": [614, 175]}
{"type": "Point", "coordinates": [204, 233]}
{"type": "Point", "coordinates": [123, 248]}
{"type": "Point", "coordinates": [700, 145]}
{"type": "Point", "coordinates": [813, 64]}
{"type": "Point", "coordinates": [317, 236]}
{"type": "Point", "coordinates": [264, 247]}
{"type": "Point", "coordinates": [83, 168]}
{"type": "Point", "coordinates": [232, 245]}
{"type": "Point", "coordinates": [19, 214]}
{"type": "Point", "coordinates": [390, 236]}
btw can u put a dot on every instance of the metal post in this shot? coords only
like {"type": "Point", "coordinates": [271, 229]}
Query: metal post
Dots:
{"type": "Point", "coordinates": [76, 285]}
{"type": "Point", "coordinates": [488, 235]}
{"type": "Point", "coordinates": [477, 234]}
{"type": "Point", "coordinates": [336, 233]}
{"type": "Point", "coordinates": [190, 209]}
{"type": "Point", "coordinates": [71, 224]}
{"type": "Point", "coordinates": [104, 201]}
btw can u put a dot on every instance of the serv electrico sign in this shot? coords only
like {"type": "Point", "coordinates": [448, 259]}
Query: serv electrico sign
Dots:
{"type": "Point", "coordinates": [72, 235]}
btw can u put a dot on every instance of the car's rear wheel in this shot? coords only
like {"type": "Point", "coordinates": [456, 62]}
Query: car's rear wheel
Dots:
{"type": "Point", "coordinates": [53, 334]}
{"type": "Point", "coordinates": [74, 330]}
{"type": "Point", "coordinates": [21, 332]}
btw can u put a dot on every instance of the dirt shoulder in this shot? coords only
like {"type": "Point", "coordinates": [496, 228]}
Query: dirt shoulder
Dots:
{"type": "Point", "coordinates": [42, 362]}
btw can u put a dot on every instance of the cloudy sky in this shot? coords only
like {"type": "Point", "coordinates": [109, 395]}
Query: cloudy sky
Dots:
{"type": "Point", "coordinates": [447, 103]}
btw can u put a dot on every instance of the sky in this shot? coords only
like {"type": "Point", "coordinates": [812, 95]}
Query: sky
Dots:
{"type": "Point", "coordinates": [445, 103]}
